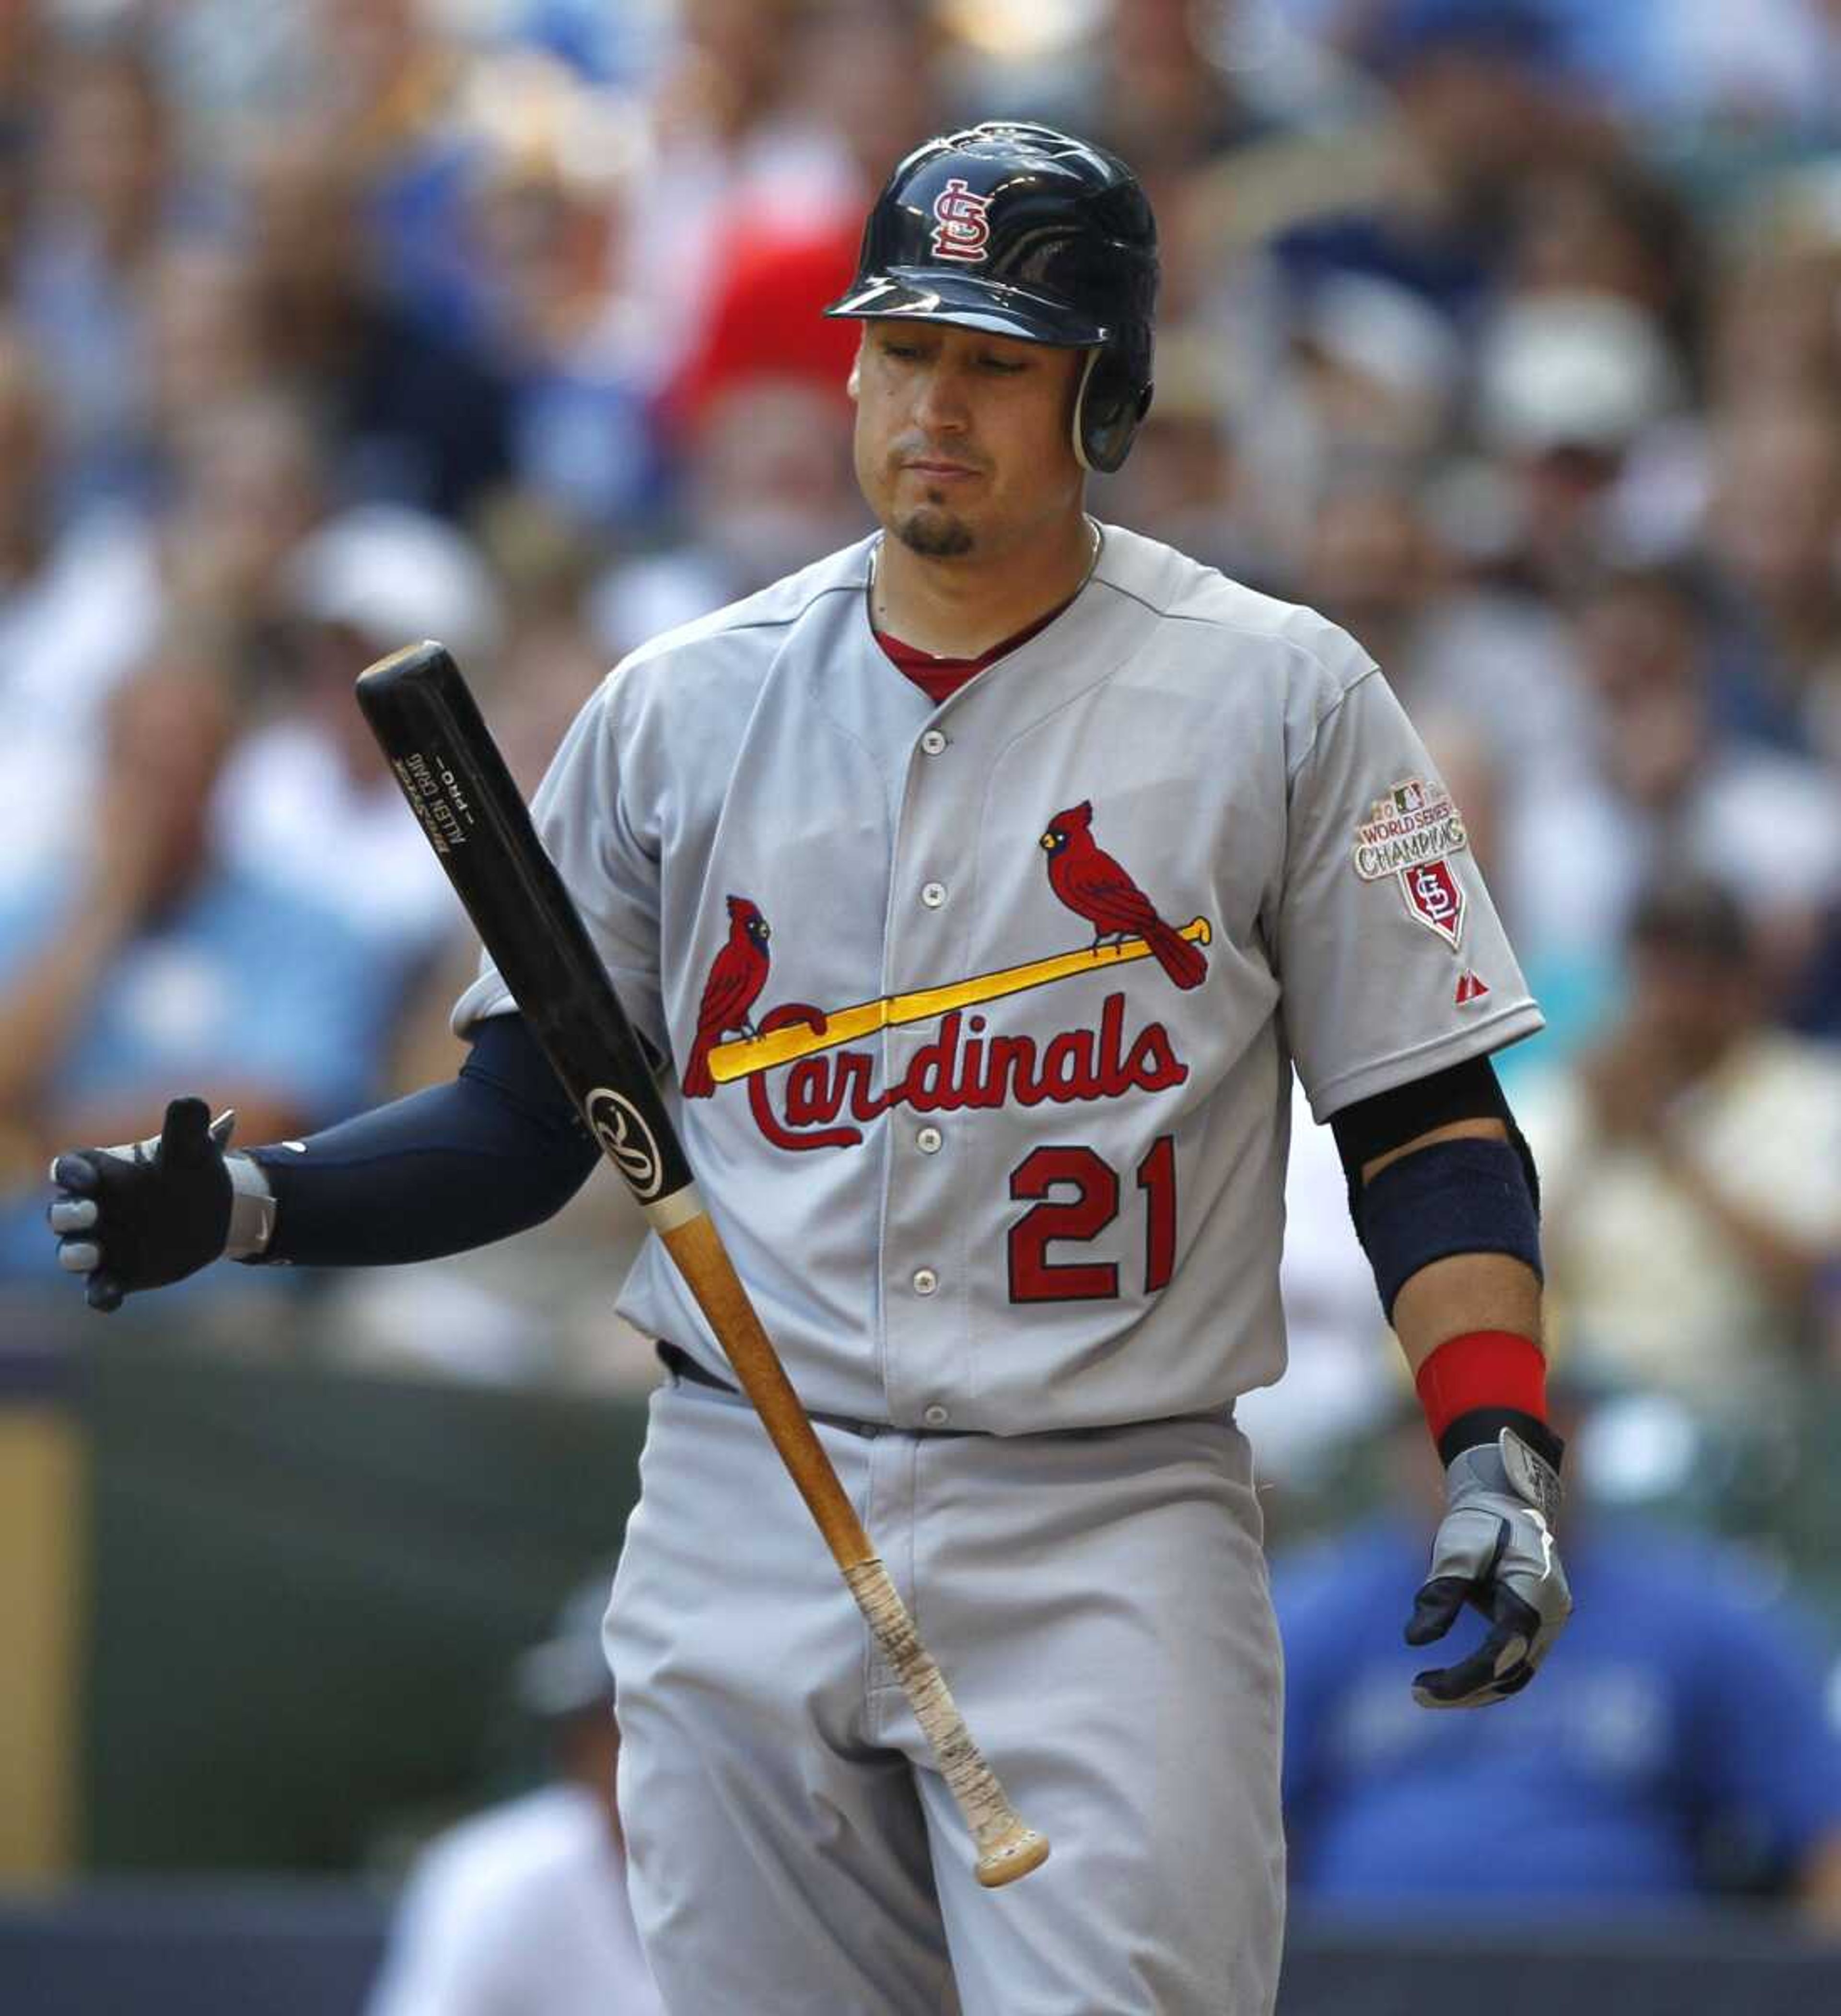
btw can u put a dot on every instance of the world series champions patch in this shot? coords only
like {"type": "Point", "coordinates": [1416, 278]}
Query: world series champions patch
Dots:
{"type": "Point", "coordinates": [1410, 834]}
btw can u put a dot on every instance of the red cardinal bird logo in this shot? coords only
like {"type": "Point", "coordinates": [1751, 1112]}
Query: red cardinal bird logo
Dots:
{"type": "Point", "coordinates": [1094, 886]}
{"type": "Point", "coordinates": [737, 975]}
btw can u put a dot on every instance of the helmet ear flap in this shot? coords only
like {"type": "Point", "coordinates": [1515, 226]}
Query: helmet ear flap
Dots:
{"type": "Point", "coordinates": [1111, 402]}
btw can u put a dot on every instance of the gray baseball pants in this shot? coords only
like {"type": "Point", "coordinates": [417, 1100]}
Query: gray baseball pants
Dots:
{"type": "Point", "coordinates": [1098, 1603]}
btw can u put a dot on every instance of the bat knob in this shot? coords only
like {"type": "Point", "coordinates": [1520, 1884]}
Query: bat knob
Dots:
{"type": "Point", "coordinates": [1012, 1857]}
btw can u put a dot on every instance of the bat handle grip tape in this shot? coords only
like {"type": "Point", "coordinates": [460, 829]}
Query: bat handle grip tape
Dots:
{"type": "Point", "coordinates": [1006, 1847]}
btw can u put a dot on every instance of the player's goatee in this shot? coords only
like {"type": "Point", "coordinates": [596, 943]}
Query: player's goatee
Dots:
{"type": "Point", "coordinates": [936, 535]}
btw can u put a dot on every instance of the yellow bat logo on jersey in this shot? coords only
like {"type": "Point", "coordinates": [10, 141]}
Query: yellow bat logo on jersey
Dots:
{"type": "Point", "coordinates": [788, 1044]}
{"type": "Point", "coordinates": [830, 1091]}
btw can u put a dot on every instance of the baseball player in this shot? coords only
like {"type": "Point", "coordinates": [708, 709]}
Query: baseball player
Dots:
{"type": "Point", "coordinates": [983, 884]}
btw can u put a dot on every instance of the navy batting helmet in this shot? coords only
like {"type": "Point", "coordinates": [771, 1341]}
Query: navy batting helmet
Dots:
{"type": "Point", "coordinates": [1030, 233]}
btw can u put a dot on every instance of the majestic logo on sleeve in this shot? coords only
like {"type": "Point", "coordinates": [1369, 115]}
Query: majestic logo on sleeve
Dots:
{"type": "Point", "coordinates": [961, 228]}
{"type": "Point", "coordinates": [1410, 834]}
{"type": "Point", "coordinates": [829, 1089]}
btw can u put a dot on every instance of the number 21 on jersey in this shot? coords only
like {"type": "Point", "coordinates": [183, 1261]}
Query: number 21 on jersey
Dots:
{"type": "Point", "coordinates": [1082, 1217]}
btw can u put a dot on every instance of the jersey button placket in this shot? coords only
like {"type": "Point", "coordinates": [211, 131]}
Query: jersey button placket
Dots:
{"type": "Point", "coordinates": [917, 1214]}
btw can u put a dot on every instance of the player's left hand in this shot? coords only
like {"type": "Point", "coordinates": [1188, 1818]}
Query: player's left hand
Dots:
{"type": "Point", "coordinates": [1493, 1550]}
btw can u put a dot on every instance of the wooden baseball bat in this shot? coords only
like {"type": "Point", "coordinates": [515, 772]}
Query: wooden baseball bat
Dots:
{"type": "Point", "coordinates": [471, 813]}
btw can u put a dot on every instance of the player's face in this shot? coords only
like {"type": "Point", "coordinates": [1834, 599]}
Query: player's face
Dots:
{"type": "Point", "coordinates": [964, 444]}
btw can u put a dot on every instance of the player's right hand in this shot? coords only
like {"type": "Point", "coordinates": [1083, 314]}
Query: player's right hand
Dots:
{"type": "Point", "coordinates": [145, 1214]}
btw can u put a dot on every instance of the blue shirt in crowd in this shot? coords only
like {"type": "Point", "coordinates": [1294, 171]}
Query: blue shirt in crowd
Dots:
{"type": "Point", "coordinates": [1674, 1709]}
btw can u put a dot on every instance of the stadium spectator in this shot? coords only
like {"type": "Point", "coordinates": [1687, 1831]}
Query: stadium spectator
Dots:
{"type": "Point", "coordinates": [726, 138]}
{"type": "Point", "coordinates": [1657, 785]}
{"type": "Point", "coordinates": [1769, 72]}
{"type": "Point", "coordinates": [774, 286]}
{"type": "Point", "coordinates": [875, 73]}
{"type": "Point", "coordinates": [766, 478]}
{"type": "Point", "coordinates": [1690, 1176]}
{"type": "Point", "coordinates": [1773, 549]}
{"type": "Point", "coordinates": [1676, 1750]}
{"type": "Point", "coordinates": [1771, 330]}
{"type": "Point", "coordinates": [79, 596]}
{"type": "Point", "coordinates": [145, 960]}
{"type": "Point", "coordinates": [388, 91]}
{"type": "Point", "coordinates": [1482, 102]}
{"type": "Point", "coordinates": [1160, 97]}
{"type": "Point", "coordinates": [367, 583]}
{"type": "Point", "coordinates": [201, 352]}
{"type": "Point", "coordinates": [1605, 224]}
{"type": "Point", "coordinates": [1569, 386]}
{"type": "Point", "coordinates": [111, 191]}
{"type": "Point", "coordinates": [1361, 390]}
{"type": "Point", "coordinates": [245, 484]}
{"type": "Point", "coordinates": [1378, 561]}
{"type": "Point", "coordinates": [410, 414]}
{"type": "Point", "coordinates": [522, 1910]}
{"type": "Point", "coordinates": [547, 208]}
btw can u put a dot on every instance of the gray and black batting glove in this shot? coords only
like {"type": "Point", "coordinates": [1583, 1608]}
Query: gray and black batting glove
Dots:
{"type": "Point", "coordinates": [148, 1213]}
{"type": "Point", "coordinates": [1494, 1551]}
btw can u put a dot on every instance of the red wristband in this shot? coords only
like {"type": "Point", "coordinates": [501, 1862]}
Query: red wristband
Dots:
{"type": "Point", "coordinates": [1484, 1368]}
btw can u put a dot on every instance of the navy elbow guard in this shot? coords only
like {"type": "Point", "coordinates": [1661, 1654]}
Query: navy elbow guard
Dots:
{"type": "Point", "coordinates": [1452, 1197]}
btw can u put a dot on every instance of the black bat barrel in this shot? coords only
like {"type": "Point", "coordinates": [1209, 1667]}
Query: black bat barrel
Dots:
{"type": "Point", "coordinates": [443, 755]}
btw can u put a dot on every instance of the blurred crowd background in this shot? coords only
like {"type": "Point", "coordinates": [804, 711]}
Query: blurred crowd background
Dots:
{"type": "Point", "coordinates": [1508, 333]}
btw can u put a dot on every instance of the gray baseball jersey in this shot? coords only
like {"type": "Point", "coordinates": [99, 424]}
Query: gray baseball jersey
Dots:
{"type": "Point", "coordinates": [984, 1014]}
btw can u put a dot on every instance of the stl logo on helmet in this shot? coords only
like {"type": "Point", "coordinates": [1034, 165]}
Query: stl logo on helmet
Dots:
{"type": "Point", "coordinates": [961, 230]}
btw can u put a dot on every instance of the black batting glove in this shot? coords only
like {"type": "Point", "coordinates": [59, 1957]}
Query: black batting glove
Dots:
{"type": "Point", "coordinates": [143, 1216]}
{"type": "Point", "coordinates": [1494, 1552]}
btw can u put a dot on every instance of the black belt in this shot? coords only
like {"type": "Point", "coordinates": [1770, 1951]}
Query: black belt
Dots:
{"type": "Point", "coordinates": [683, 1367]}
